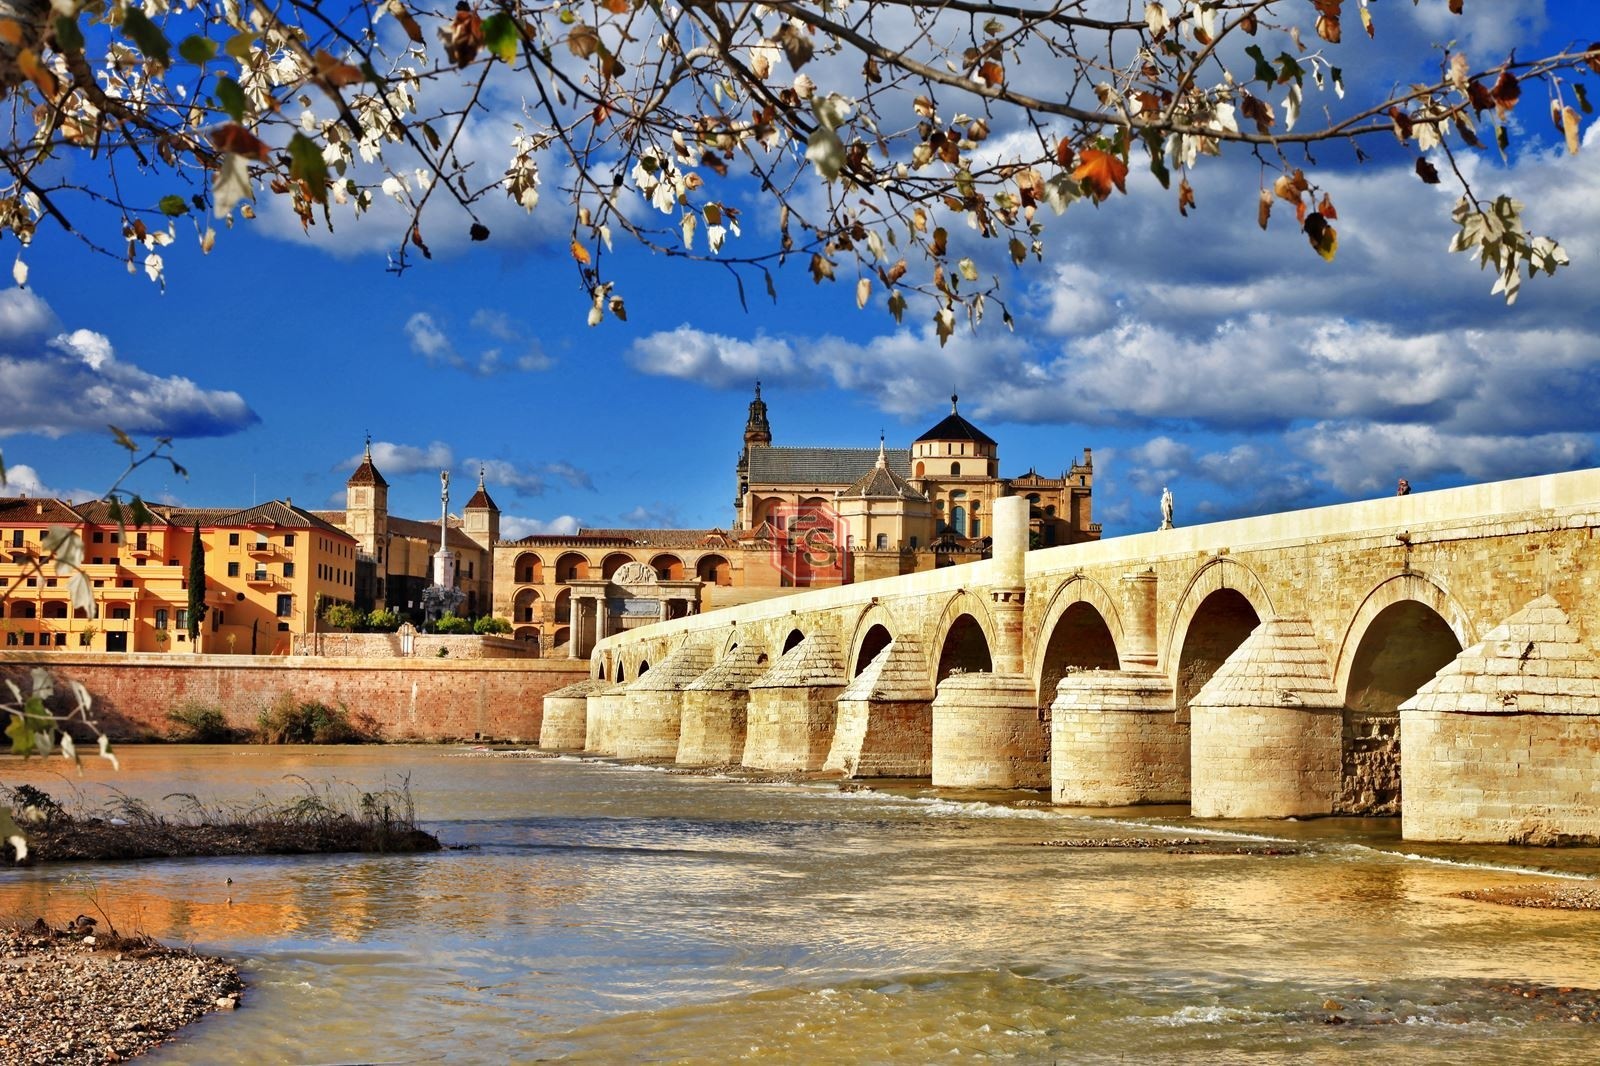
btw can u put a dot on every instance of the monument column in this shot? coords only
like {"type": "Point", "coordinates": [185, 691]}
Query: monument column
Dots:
{"type": "Point", "coordinates": [574, 620]}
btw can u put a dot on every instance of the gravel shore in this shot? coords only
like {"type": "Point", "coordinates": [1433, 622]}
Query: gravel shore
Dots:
{"type": "Point", "coordinates": [1548, 897]}
{"type": "Point", "coordinates": [72, 996]}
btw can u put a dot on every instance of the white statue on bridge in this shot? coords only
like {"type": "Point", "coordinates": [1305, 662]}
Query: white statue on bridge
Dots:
{"type": "Point", "coordinates": [1166, 508]}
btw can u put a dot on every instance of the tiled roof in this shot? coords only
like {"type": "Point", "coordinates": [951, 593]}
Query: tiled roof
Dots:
{"type": "Point", "coordinates": [411, 527]}
{"type": "Point", "coordinates": [279, 513]}
{"type": "Point", "coordinates": [367, 474]}
{"type": "Point", "coordinates": [882, 483]}
{"type": "Point", "coordinates": [820, 466]}
{"type": "Point", "coordinates": [26, 509]}
{"type": "Point", "coordinates": [663, 538]}
{"type": "Point", "coordinates": [481, 501]}
{"type": "Point", "coordinates": [954, 427]}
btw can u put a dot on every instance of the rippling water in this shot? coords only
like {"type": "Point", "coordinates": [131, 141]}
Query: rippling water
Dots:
{"type": "Point", "coordinates": [601, 913]}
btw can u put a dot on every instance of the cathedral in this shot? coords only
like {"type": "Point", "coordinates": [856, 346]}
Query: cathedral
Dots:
{"type": "Point", "coordinates": [804, 517]}
{"type": "Point", "coordinates": [893, 511]}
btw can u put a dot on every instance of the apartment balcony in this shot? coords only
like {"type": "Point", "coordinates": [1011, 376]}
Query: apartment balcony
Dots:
{"type": "Point", "coordinates": [261, 549]}
{"type": "Point", "coordinates": [261, 579]}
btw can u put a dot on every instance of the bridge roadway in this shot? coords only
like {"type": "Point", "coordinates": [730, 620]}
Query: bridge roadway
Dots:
{"type": "Point", "coordinates": [1265, 667]}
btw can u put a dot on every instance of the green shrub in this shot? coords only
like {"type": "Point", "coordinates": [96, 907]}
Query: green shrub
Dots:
{"type": "Point", "coordinates": [343, 616]}
{"type": "Point", "coordinates": [383, 620]}
{"type": "Point", "coordinates": [489, 625]}
{"type": "Point", "coordinates": [198, 723]}
{"type": "Point", "coordinates": [290, 721]}
{"type": "Point", "coordinates": [452, 624]}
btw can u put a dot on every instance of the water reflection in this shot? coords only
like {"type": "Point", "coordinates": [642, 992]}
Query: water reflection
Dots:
{"type": "Point", "coordinates": [608, 913]}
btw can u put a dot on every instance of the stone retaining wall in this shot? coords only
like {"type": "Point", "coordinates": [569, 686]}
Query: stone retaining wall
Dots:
{"type": "Point", "coordinates": [421, 699]}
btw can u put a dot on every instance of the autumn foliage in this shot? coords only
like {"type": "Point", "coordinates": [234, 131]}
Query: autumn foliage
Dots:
{"type": "Point", "coordinates": [883, 142]}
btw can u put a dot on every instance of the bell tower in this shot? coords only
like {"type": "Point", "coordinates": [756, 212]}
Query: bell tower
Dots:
{"type": "Point", "coordinates": [757, 434]}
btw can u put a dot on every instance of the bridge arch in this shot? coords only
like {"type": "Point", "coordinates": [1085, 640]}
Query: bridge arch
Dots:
{"type": "Point", "coordinates": [1380, 602]}
{"type": "Point", "coordinates": [1406, 630]}
{"type": "Point", "coordinates": [793, 640]}
{"type": "Point", "coordinates": [875, 629]}
{"type": "Point", "coordinates": [1222, 603]}
{"type": "Point", "coordinates": [963, 638]}
{"type": "Point", "coordinates": [1081, 628]}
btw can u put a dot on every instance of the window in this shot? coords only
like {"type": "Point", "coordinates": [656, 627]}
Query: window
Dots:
{"type": "Point", "coordinates": [161, 618]}
{"type": "Point", "coordinates": [977, 527]}
{"type": "Point", "coordinates": [883, 542]}
{"type": "Point", "coordinates": [285, 606]}
{"type": "Point", "coordinates": [114, 561]}
{"type": "Point", "coordinates": [140, 561]}
{"type": "Point", "coordinates": [288, 570]}
{"type": "Point", "coordinates": [125, 583]}
{"type": "Point", "coordinates": [16, 538]}
{"type": "Point", "coordinates": [99, 583]}
{"type": "Point", "coordinates": [183, 618]}
{"type": "Point", "coordinates": [233, 540]}
{"type": "Point", "coordinates": [98, 560]}
{"type": "Point", "coordinates": [27, 640]}
{"type": "Point", "coordinates": [119, 612]}
{"type": "Point", "coordinates": [288, 540]}
{"type": "Point", "coordinates": [955, 469]}
{"type": "Point", "coordinates": [233, 569]}
{"type": "Point", "coordinates": [61, 640]}
{"type": "Point", "coordinates": [260, 574]}
{"type": "Point", "coordinates": [140, 541]}
{"type": "Point", "coordinates": [99, 537]}
{"type": "Point", "coordinates": [283, 627]}
{"type": "Point", "coordinates": [33, 582]}
{"type": "Point", "coordinates": [913, 543]}
{"type": "Point", "coordinates": [262, 544]}
{"type": "Point", "coordinates": [49, 582]}
{"type": "Point", "coordinates": [116, 538]}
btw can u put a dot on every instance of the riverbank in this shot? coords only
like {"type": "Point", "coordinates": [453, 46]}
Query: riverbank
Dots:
{"type": "Point", "coordinates": [320, 820]}
{"type": "Point", "coordinates": [78, 996]}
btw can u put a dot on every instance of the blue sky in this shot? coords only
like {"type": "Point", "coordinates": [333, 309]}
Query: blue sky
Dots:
{"type": "Point", "coordinates": [1232, 364]}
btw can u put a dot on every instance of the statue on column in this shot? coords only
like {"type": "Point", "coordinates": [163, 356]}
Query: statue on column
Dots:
{"type": "Point", "coordinates": [1166, 507]}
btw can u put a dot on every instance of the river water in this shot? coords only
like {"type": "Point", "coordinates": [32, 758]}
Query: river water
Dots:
{"type": "Point", "coordinates": [603, 913]}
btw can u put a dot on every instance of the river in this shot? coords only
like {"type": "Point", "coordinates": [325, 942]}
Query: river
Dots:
{"type": "Point", "coordinates": [593, 912]}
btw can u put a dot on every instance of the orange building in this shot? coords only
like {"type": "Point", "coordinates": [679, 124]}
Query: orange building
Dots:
{"type": "Point", "coordinates": [268, 569]}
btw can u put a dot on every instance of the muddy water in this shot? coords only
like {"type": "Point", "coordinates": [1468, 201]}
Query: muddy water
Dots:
{"type": "Point", "coordinates": [601, 913]}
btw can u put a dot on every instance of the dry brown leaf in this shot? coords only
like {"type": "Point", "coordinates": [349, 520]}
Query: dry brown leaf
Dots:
{"type": "Point", "coordinates": [1098, 171]}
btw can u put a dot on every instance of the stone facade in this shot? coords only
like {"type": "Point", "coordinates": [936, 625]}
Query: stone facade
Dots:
{"type": "Point", "coordinates": [1504, 743]}
{"type": "Point", "coordinates": [1367, 592]}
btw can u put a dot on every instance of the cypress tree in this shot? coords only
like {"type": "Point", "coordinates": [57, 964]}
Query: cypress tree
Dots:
{"type": "Point", "coordinates": [197, 587]}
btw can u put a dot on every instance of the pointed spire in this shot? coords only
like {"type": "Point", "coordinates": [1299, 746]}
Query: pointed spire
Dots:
{"type": "Point", "coordinates": [366, 473]}
{"type": "Point", "coordinates": [953, 399]}
{"type": "Point", "coordinates": [883, 457]}
{"type": "Point", "coordinates": [756, 428]}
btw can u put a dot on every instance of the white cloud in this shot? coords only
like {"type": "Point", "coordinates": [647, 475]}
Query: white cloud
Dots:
{"type": "Point", "coordinates": [527, 479]}
{"type": "Point", "coordinates": [398, 460]}
{"type": "Point", "coordinates": [514, 527]}
{"type": "Point", "coordinates": [1361, 458]}
{"type": "Point", "coordinates": [54, 382]}
{"type": "Point", "coordinates": [24, 480]}
{"type": "Point", "coordinates": [429, 340]}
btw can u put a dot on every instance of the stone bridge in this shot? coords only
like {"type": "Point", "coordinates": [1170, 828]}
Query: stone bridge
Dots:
{"type": "Point", "coordinates": [1429, 655]}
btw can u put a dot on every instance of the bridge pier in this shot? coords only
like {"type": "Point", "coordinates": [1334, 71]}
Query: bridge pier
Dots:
{"type": "Point", "coordinates": [653, 709]}
{"type": "Point", "coordinates": [1115, 740]}
{"type": "Point", "coordinates": [1267, 729]}
{"type": "Point", "coordinates": [987, 733]}
{"type": "Point", "coordinates": [793, 708]}
{"type": "Point", "coordinates": [1503, 745]}
{"type": "Point", "coordinates": [605, 707]}
{"type": "Point", "coordinates": [884, 725]}
{"type": "Point", "coordinates": [716, 706]}
{"type": "Point", "coordinates": [566, 715]}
